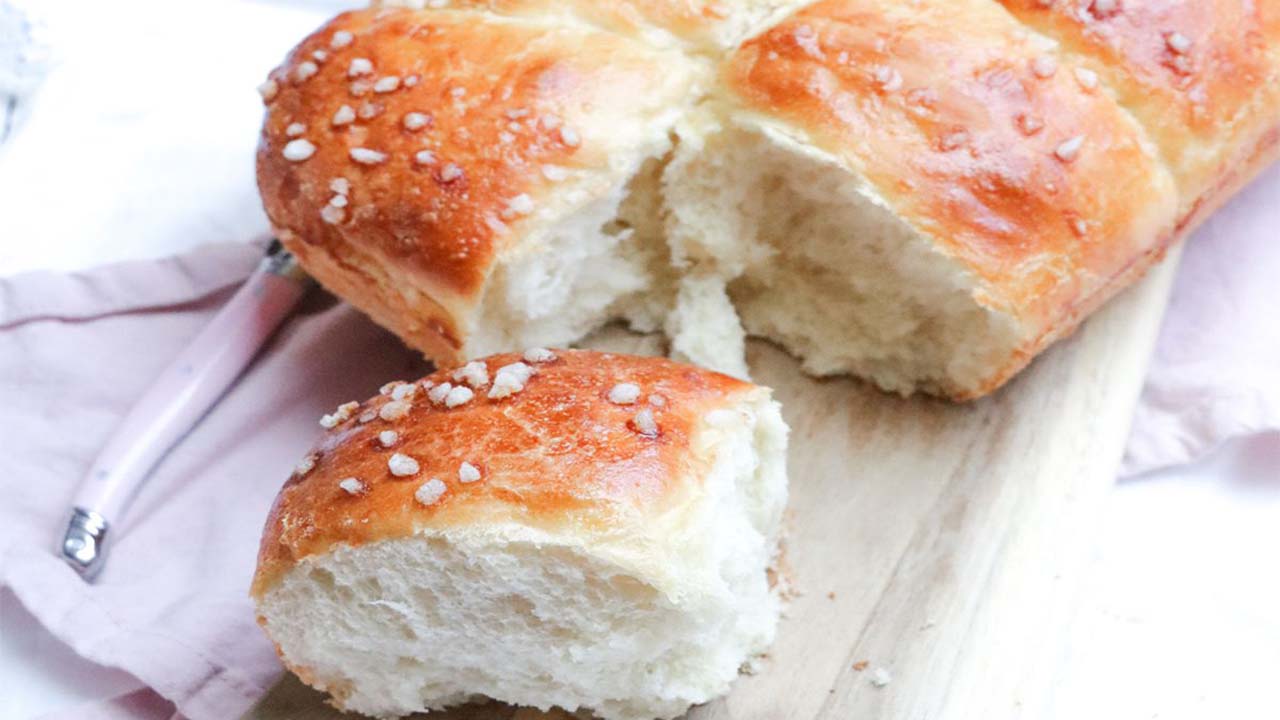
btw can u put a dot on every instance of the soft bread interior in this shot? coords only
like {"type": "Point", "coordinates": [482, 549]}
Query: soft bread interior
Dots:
{"type": "Point", "coordinates": [703, 326]}
{"type": "Point", "coordinates": [609, 260]}
{"type": "Point", "coordinates": [741, 229]}
{"type": "Point", "coordinates": [601, 257]}
{"type": "Point", "coordinates": [713, 24]}
{"type": "Point", "coordinates": [630, 626]}
{"type": "Point", "coordinates": [815, 260]}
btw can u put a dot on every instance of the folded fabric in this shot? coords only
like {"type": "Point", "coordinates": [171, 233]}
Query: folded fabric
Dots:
{"type": "Point", "coordinates": [171, 606]}
{"type": "Point", "coordinates": [142, 704]}
{"type": "Point", "coordinates": [1216, 370]}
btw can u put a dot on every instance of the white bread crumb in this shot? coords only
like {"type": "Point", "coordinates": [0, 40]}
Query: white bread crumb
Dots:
{"type": "Point", "coordinates": [429, 492]}
{"type": "Point", "coordinates": [438, 393]}
{"type": "Point", "coordinates": [402, 465]}
{"type": "Point", "coordinates": [505, 384]}
{"type": "Point", "coordinates": [624, 393]}
{"type": "Point", "coordinates": [510, 379]}
{"type": "Point", "coordinates": [341, 414]}
{"type": "Point", "coordinates": [305, 465]}
{"type": "Point", "coordinates": [518, 370]}
{"type": "Point", "coordinates": [404, 391]}
{"type": "Point", "coordinates": [468, 473]}
{"type": "Point", "coordinates": [298, 150]}
{"type": "Point", "coordinates": [645, 424]}
{"type": "Point", "coordinates": [394, 410]}
{"type": "Point", "coordinates": [474, 373]}
{"type": "Point", "coordinates": [539, 355]}
{"type": "Point", "coordinates": [458, 395]}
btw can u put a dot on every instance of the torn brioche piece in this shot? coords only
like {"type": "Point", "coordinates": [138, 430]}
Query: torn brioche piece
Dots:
{"type": "Point", "coordinates": [922, 194]}
{"type": "Point", "coordinates": [919, 194]}
{"type": "Point", "coordinates": [577, 529]}
{"type": "Point", "coordinates": [473, 182]}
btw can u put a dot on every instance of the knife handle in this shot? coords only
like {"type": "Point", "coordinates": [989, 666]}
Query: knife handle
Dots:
{"type": "Point", "coordinates": [182, 393]}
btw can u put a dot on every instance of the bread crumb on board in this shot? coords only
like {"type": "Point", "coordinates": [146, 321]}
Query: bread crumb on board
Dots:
{"type": "Point", "coordinates": [880, 677]}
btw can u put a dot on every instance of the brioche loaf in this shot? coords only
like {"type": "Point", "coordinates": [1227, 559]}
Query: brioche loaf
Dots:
{"type": "Point", "coordinates": [923, 193]}
{"type": "Point", "coordinates": [562, 528]}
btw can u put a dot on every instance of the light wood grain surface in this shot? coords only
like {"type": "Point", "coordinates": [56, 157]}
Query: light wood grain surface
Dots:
{"type": "Point", "coordinates": [939, 542]}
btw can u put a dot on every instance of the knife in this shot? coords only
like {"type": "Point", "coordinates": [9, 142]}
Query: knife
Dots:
{"type": "Point", "coordinates": [181, 395]}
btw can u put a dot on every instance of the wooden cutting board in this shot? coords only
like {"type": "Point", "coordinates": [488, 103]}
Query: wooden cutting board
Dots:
{"type": "Point", "coordinates": [938, 542]}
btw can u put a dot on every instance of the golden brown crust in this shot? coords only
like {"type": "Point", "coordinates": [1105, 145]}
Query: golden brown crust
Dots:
{"type": "Point", "coordinates": [1264, 152]}
{"type": "Point", "coordinates": [345, 268]}
{"type": "Point", "coordinates": [1200, 75]}
{"type": "Point", "coordinates": [972, 138]}
{"type": "Point", "coordinates": [556, 454]}
{"type": "Point", "coordinates": [497, 105]}
{"type": "Point", "coordinates": [958, 116]}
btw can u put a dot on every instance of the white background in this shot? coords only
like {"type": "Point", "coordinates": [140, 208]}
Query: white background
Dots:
{"type": "Point", "coordinates": [140, 145]}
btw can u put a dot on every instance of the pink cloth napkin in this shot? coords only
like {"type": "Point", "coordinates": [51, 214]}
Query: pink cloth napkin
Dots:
{"type": "Point", "coordinates": [1216, 371]}
{"type": "Point", "coordinates": [171, 607]}
{"type": "Point", "coordinates": [141, 704]}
